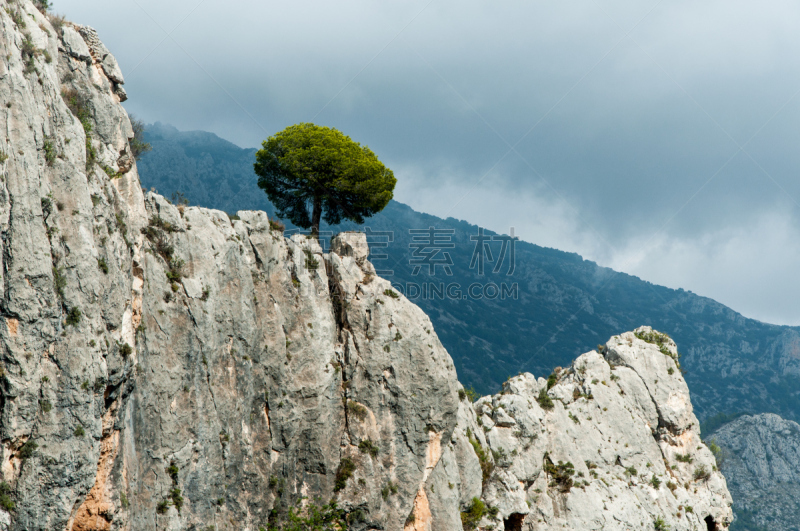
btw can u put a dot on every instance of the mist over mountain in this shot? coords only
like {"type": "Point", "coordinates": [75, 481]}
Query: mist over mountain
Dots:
{"type": "Point", "coordinates": [557, 304]}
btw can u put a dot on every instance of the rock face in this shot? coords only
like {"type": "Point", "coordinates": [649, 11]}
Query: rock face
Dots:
{"type": "Point", "coordinates": [760, 457]}
{"type": "Point", "coordinates": [168, 367]}
{"type": "Point", "coordinates": [268, 360]}
{"type": "Point", "coordinates": [71, 285]}
{"type": "Point", "coordinates": [609, 443]}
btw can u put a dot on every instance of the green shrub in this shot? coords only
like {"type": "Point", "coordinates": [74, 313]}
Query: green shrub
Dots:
{"type": "Point", "coordinates": [5, 497]}
{"type": "Point", "coordinates": [391, 293]}
{"type": "Point", "coordinates": [487, 465]}
{"type": "Point", "coordinates": [317, 518]}
{"type": "Point", "coordinates": [125, 350]}
{"type": "Point", "coordinates": [684, 458]}
{"type": "Point", "coordinates": [552, 380]}
{"type": "Point", "coordinates": [47, 206]}
{"type": "Point", "coordinates": [160, 223]}
{"type": "Point", "coordinates": [59, 281]}
{"type": "Point", "coordinates": [78, 104]}
{"type": "Point", "coordinates": [653, 337]}
{"type": "Point", "coordinates": [472, 394]}
{"type": "Point", "coordinates": [544, 400]}
{"type": "Point", "coordinates": [73, 316]}
{"type": "Point", "coordinates": [343, 473]}
{"type": "Point", "coordinates": [16, 16]}
{"type": "Point", "coordinates": [473, 514]}
{"type": "Point", "coordinates": [173, 470]}
{"type": "Point", "coordinates": [27, 450]}
{"type": "Point", "coordinates": [660, 340]}
{"type": "Point", "coordinates": [91, 153]}
{"type": "Point", "coordinates": [162, 507]}
{"type": "Point", "coordinates": [110, 172]}
{"type": "Point", "coordinates": [49, 152]}
{"type": "Point", "coordinates": [655, 482]}
{"type": "Point", "coordinates": [121, 225]}
{"type": "Point", "coordinates": [29, 53]}
{"type": "Point", "coordinates": [138, 145]}
{"type": "Point", "coordinates": [368, 447]}
{"type": "Point", "coordinates": [3, 156]}
{"type": "Point", "coordinates": [45, 405]}
{"type": "Point", "coordinates": [701, 473]}
{"type": "Point", "coordinates": [660, 525]}
{"type": "Point", "coordinates": [311, 262]}
{"type": "Point", "coordinates": [719, 453]}
{"type": "Point", "coordinates": [101, 263]}
{"type": "Point", "coordinates": [177, 499]}
{"type": "Point", "coordinates": [389, 488]}
{"type": "Point", "coordinates": [357, 410]}
{"type": "Point", "coordinates": [175, 271]}
{"type": "Point", "coordinates": [79, 431]}
{"type": "Point", "coordinates": [273, 225]}
{"type": "Point", "coordinates": [560, 474]}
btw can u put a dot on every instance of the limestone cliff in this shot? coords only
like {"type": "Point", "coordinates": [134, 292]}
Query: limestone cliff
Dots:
{"type": "Point", "coordinates": [608, 443]}
{"type": "Point", "coordinates": [167, 367]}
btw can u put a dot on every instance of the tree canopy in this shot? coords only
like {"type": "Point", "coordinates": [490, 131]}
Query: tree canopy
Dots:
{"type": "Point", "coordinates": [312, 172]}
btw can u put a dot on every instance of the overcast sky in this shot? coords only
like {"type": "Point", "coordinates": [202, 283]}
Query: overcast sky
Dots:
{"type": "Point", "coordinates": [657, 138]}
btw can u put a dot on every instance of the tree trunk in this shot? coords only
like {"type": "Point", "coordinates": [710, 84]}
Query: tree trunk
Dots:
{"type": "Point", "coordinates": [316, 214]}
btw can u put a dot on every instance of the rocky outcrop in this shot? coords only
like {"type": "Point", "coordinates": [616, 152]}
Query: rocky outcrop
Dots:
{"type": "Point", "coordinates": [270, 371]}
{"type": "Point", "coordinates": [760, 457]}
{"type": "Point", "coordinates": [608, 443]}
{"type": "Point", "coordinates": [171, 367]}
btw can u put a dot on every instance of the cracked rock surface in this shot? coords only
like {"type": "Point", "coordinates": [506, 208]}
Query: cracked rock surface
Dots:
{"type": "Point", "coordinates": [608, 443]}
{"type": "Point", "coordinates": [760, 457]}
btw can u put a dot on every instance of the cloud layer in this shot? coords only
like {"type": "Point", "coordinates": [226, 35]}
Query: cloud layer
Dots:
{"type": "Point", "coordinates": [658, 138]}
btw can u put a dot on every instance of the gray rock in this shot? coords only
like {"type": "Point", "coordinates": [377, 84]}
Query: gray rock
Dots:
{"type": "Point", "coordinates": [101, 55]}
{"type": "Point", "coordinates": [760, 457]}
{"type": "Point", "coordinates": [617, 448]}
{"type": "Point", "coordinates": [74, 44]}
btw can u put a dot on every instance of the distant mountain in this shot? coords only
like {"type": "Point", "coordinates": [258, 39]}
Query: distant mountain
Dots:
{"type": "Point", "coordinates": [760, 458]}
{"type": "Point", "coordinates": [564, 305]}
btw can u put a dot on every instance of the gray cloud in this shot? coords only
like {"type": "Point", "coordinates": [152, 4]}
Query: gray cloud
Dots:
{"type": "Point", "coordinates": [634, 158]}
